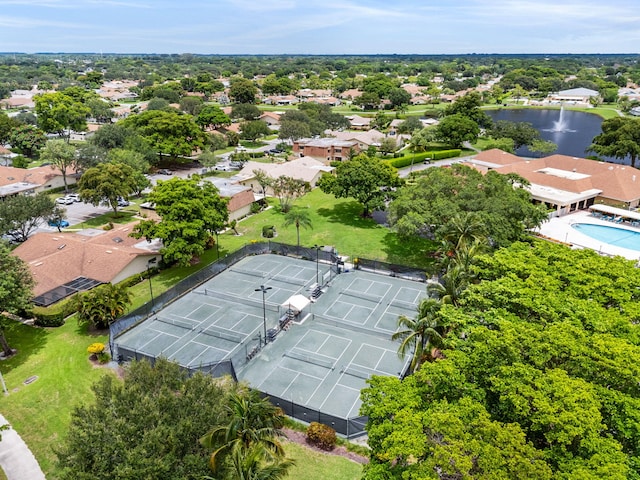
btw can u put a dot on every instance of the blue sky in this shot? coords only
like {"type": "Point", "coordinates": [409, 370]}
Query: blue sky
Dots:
{"type": "Point", "coordinates": [320, 27]}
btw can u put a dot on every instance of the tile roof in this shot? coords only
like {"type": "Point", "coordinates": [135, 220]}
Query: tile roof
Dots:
{"type": "Point", "coordinates": [57, 258]}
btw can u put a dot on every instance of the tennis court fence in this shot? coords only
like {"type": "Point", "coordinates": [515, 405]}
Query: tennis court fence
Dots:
{"type": "Point", "coordinates": [349, 427]}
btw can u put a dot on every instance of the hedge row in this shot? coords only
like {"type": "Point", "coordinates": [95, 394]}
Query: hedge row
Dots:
{"type": "Point", "coordinates": [54, 316]}
{"type": "Point", "coordinates": [419, 157]}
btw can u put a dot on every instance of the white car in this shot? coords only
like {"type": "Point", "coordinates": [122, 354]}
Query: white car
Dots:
{"type": "Point", "coordinates": [65, 200]}
{"type": "Point", "coordinates": [74, 196]}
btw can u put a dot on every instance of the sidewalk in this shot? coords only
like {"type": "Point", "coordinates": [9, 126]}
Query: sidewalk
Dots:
{"type": "Point", "coordinates": [16, 459]}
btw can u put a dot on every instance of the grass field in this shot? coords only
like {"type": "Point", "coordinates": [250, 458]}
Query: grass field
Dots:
{"type": "Point", "coordinates": [41, 410]}
{"type": "Point", "coordinates": [311, 465]}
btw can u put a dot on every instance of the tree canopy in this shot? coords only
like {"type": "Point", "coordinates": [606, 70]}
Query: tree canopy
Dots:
{"type": "Point", "coordinates": [147, 426]}
{"type": "Point", "coordinates": [427, 207]}
{"type": "Point", "coordinates": [370, 181]}
{"type": "Point", "coordinates": [620, 138]}
{"type": "Point", "coordinates": [169, 133]}
{"type": "Point", "coordinates": [16, 284]}
{"type": "Point", "coordinates": [107, 182]}
{"type": "Point", "coordinates": [20, 215]}
{"type": "Point", "coordinates": [191, 211]}
{"type": "Point", "coordinates": [538, 377]}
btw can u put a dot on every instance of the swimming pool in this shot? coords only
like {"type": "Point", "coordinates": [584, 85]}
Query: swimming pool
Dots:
{"type": "Point", "coordinates": [611, 235]}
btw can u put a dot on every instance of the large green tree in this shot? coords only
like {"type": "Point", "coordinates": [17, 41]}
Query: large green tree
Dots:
{"type": "Point", "coordinates": [61, 155]}
{"type": "Point", "coordinates": [146, 426]}
{"type": "Point", "coordinates": [212, 117]}
{"type": "Point", "coordinates": [620, 138]}
{"type": "Point", "coordinates": [20, 215]}
{"type": "Point", "coordinates": [169, 133]}
{"type": "Point", "coordinates": [538, 378]}
{"type": "Point", "coordinates": [370, 181]}
{"type": "Point", "coordinates": [16, 286]}
{"type": "Point", "coordinates": [27, 140]}
{"type": "Point", "coordinates": [191, 211]}
{"type": "Point", "coordinates": [60, 113]}
{"type": "Point", "coordinates": [254, 129]}
{"type": "Point", "coordinates": [501, 203]}
{"type": "Point", "coordinates": [107, 182]}
{"type": "Point", "coordinates": [522, 133]}
{"type": "Point", "coordinates": [456, 129]}
{"type": "Point", "coordinates": [243, 90]}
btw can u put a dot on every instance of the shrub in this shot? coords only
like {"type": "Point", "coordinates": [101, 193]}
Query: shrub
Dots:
{"type": "Point", "coordinates": [410, 159]}
{"type": "Point", "coordinates": [95, 348]}
{"type": "Point", "coordinates": [446, 154]}
{"type": "Point", "coordinates": [49, 319]}
{"type": "Point", "coordinates": [103, 357]}
{"type": "Point", "coordinates": [267, 231]}
{"type": "Point", "coordinates": [321, 436]}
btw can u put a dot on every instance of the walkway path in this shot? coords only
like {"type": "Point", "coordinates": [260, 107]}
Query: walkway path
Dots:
{"type": "Point", "coordinates": [16, 459]}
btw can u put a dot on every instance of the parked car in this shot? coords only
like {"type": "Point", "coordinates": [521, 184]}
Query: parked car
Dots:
{"type": "Point", "coordinates": [74, 196]}
{"type": "Point", "coordinates": [65, 200]}
{"type": "Point", "coordinates": [123, 202]}
{"type": "Point", "coordinates": [165, 171]}
{"type": "Point", "coordinates": [275, 151]}
{"type": "Point", "coordinates": [58, 223]}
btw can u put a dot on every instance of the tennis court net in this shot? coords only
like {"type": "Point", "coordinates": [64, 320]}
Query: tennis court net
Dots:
{"type": "Point", "coordinates": [175, 323]}
{"type": "Point", "coordinates": [402, 304]}
{"type": "Point", "coordinates": [312, 359]}
{"type": "Point", "coordinates": [223, 334]}
{"type": "Point", "coordinates": [300, 282]}
{"type": "Point", "coordinates": [348, 325]}
{"type": "Point", "coordinates": [272, 307]}
{"type": "Point", "coordinates": [364, 296]}
{"type": "Point", "coordinates": [360, 372]}
{"type": "Point", "coordinates": [252, 273]}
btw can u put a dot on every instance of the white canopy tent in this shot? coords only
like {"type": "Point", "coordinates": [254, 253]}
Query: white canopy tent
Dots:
{"type": "Point", "coordinates": [297, 303]}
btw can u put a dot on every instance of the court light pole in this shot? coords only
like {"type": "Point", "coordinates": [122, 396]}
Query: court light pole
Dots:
{"type": "Point", "coordinates": [149, 263]}
{"type": "Point", "coordinates": [318, 247]}
{"type": "Point", "coordinates": [264, 290]}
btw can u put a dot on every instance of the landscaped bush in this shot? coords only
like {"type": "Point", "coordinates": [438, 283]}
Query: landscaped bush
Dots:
{"type": "Point", "coordinates": [54, 315]}
{"type": "Point", "coordinates": [95, 348]}
{"type": "Point", "coordinates": [268, 231]}
{"type": "Point", "coordinates": [322, 436]}
{"type": "Point", "coordinates": [49, 319]}
{"type": "Point", "coordinates": [410, 159]}
{"type": "Point", "coordinates": [446, 154]}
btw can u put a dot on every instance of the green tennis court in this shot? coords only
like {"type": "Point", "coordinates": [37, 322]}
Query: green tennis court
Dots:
{"type": "Point", "coordinates": [318, 357]}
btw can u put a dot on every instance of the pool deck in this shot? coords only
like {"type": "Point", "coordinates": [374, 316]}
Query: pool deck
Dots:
{"type": "Point", "coordinates": [560, 229]}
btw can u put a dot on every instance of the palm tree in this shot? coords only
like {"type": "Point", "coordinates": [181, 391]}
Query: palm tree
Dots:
{"type": "Point", "coordinates": [253, 431]}
{"type": "Point", "coordinates": [463, 229]}
{"type": "Point", "coordinates": [251, 465]}
{"type": "Point", "coordinates": [300, 218]}
{"type": "Point", "coordinates": [454, 282]}
{"type": "Point", "coordinates": [417, 334]}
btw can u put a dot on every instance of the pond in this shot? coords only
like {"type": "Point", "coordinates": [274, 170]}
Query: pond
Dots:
{"type": "Point", "coordinates": [572, 131]}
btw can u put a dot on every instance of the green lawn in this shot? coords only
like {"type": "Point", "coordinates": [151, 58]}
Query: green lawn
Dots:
{"type": "Point", "coordinates": [335, 222]}
{"type": "Point", "coordinates": [40, 411]}
{"type": "Point", "coordinates": [312, 465]}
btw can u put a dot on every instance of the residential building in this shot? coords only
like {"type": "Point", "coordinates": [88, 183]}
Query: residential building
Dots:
{"type": "Point", "coordinates": [305, 169]}
{"type": "Point", "coordinates": [565, 183]}
{"type": "Point", "coordinates": [63, 263]}
{"type": "Point", "coordinates": [14, 181]}
{"type": "Point", "coordinates": [325, 149]}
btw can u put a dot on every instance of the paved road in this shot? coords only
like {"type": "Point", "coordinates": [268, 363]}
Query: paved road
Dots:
{"type": "Point", "coordinates": [16, 459]}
